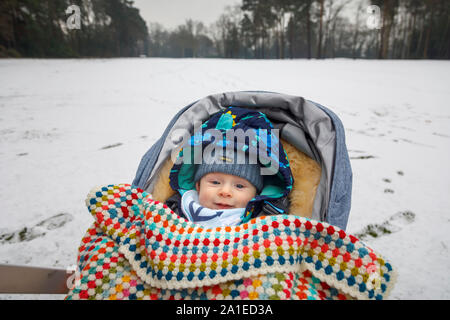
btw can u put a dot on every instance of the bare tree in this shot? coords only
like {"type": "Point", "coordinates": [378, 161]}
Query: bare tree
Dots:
{"type": "Point", "coordinates": [430, 7]}
{"type": "Point", "coordinates": [333, 9]}
{"type": "Point", "coordinates": [319, 42]}
{"type": "Point", "coordinates": [356, 32]}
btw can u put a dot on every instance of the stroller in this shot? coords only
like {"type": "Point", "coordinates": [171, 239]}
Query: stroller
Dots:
{"type": "Point", "coordinates": [138, 248]}
{"type": "Point", "coordinates": [313, 130]}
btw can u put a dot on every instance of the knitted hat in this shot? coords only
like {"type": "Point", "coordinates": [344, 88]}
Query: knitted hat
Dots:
{"type": "Point", "coordinates": [229, 164]}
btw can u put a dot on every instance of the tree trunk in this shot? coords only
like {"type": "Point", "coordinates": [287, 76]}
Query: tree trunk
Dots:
{"type": "Point", "coordinates": [339, 45]}
{"type": "Point", "coordinates": [255, 45]}
{"type": "Point", "coordinates": [392, 39]}
{"type": "Point", "coordinates": [326, 38]}
{"type": "Point", "coordinates": [444, 41]}
{"type": "Point", "coordinates": [278, 44]}
{"type": "Point", "coordinates": [407, 36]}
{"type": "Point", "coordinates": [262, 47]}
{"type": "Point", "coordinates": [427, 37]}
{"type": "Point", "coordinates": [386, 30]}
{"type": "Point", "coordinates": [280, 35]}
{"type": "Point", "coordinates": [356, 34]}
{"type": "Point", "coordinates": [308, 28]}
{"type": "Point", "coordinates": [291, 39]}
{"type": "Point", "coordinates": [419, 43]}
{"type": "Point", "coordinates": [13, 25]}
{"type": "Point", "coordinates": [404, 31]}
{"type": "Point", "coordinates": [413, 28]}
{"type": "Point", "coordinates": [319, 44]}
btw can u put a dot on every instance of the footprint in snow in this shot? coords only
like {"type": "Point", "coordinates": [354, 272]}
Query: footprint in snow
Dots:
{"type": "Point", "coordinates": [394, 224]}
{"type": "Point", "coordinates": [363, 156]}
{"type": "Point", "coordinates": [111, 146]}
{"type": "Point", "coordinates": [36, 231]}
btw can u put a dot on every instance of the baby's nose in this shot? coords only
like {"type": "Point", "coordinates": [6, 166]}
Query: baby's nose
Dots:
{"type": "Point", "coordinates": [225, 191]}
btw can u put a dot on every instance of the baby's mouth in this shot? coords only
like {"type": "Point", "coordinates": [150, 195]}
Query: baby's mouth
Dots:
{"type": "Point", "coordinates": [223, 206]}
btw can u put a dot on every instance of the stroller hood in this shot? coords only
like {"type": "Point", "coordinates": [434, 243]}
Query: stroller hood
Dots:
{"type": "Point", "coordinates": [309, 126]}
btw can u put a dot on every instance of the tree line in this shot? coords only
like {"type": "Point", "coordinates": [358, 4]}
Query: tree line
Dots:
{"type": "Point", "coordinates": [254, 29]}
{"type": "Point", "coordinates": [280, 29]}
{"type": "Point", "coordinates": [107, 28]}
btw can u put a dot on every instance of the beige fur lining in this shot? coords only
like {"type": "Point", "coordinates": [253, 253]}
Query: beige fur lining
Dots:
{"type": "Point", "coordinates": [305, 170]}
{"type": "Point", "coordinates": [306, 174]}
{"type": "Point", "coordinates": [162, 190]}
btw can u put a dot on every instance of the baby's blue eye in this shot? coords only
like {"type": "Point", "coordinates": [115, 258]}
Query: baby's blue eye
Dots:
{"type": "Point", "coordinates": [240, 186]}
{"type": "Point", "coordinates": [215, 182]}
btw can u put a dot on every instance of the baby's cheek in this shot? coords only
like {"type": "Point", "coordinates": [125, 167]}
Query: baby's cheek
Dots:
{"type": "Point", "coordinates": [202, 199]}
{"type": "Point", "coordinates": [251, 194]}
{"type": "Point", "coordinates": [244, 199]}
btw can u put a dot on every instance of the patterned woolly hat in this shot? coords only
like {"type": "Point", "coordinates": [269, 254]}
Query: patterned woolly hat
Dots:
{"type": "Point", "coordinates": [233, 163]}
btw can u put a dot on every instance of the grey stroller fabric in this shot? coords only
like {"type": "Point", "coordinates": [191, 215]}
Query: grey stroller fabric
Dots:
{"type": "Point", "coordinates": [309, 126]}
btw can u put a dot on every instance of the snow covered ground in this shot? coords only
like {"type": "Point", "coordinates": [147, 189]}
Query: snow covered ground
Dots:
{"type": "Point", "coordinates": [69, 125]}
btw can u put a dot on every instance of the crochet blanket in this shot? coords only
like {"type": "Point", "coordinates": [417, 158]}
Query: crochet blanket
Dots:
{"type": "Point", "coordinates": [138, 248]}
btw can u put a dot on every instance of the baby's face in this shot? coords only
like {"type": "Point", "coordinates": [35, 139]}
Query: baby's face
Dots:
{"type": "Point", "coordinates": [224, 191]}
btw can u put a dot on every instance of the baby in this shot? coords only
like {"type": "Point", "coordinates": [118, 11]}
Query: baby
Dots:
{"type": "Point", "coordinates": [222, 191]}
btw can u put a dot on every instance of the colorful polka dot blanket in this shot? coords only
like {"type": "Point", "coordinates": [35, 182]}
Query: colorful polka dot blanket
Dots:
{"type": "Point", "coordinates": [137, 248]}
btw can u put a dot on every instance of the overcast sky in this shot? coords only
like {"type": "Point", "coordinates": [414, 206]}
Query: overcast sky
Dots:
{"type": "Point", "coordinates": [171, 13]}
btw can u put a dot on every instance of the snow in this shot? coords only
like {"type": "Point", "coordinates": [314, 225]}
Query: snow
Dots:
{"type": "Point", "coordinates": [69, 125]}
